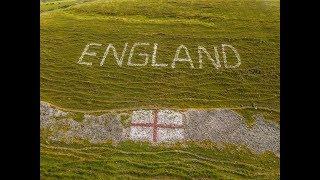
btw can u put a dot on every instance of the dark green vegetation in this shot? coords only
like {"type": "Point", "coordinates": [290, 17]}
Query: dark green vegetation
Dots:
{"type": "Point", "coordinates": [130, 160]}
{"type": "Point", "coordinates": [251, 26]}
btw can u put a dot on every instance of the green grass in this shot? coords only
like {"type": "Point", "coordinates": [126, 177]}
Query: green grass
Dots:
{"type": "Point", "coordinates": [77, 116]}
{"type": "Point", "coordinates": [251, 26]}
{"type": "Point", "coordinates": [129, 160]}
{"type": "Point", "coordinates": [125, 119]}
{"type": "Point", "coordinates": [55, 4]}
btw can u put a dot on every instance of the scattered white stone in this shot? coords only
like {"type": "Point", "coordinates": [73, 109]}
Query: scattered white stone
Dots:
{"type": "Point", "coordinates": [169, 117]}
{"type": "Point", "coordinates": [168, 126]}
{"type": "Point", "coordinates": [178, 58]}
{"type": "Point", "coordinates": [220, 125]}
{"type": "Point", "coordinates": [141, 133]}
{"type": "Point", "coordinates": [170, 134]}
{"type": "Point", "coordinates": [142, 116]}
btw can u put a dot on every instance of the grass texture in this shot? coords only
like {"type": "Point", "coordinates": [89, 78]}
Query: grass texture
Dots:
{"type": "Point", "coordinates": [129, 160]}
{"type": "Point", "coordinates": [251, 26]}
{"type": "Point", "coordinates": [67, 26]}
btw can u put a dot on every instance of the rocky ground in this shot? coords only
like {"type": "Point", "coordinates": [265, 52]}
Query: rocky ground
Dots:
{"type": "Point", "coordinates": [95, 129]}
{"type": "Point", "coordinates": [226, 126]}
{"type": "Point", "coordinates": [219, 125]}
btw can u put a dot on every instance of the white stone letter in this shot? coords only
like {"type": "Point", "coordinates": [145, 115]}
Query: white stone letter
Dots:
{"type": "Point", "coordinates": [115, 54]}
{"type": "Point", "coordinates": [140, 54]}
{"type": "Point", "coordinates": [216, 62]}
{"type": "Point", "coordinates": [176, 57]}
{"type": "Point", "coordinates": [85, 52]}
{"type": "Point", "coordinates": [154, 56]}
{"type": "Point", "coordinates": [225, 56]}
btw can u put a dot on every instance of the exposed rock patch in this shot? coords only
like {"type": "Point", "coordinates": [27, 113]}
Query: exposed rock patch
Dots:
{"type": "Point", "coordinates": [226, 126]}
{"type": "Point", "coordinates": [220, 125]}
{"type": "Point", "coordinates": [93, 128]}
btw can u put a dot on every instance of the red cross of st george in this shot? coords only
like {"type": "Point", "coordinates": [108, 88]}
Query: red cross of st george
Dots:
{"type": "Point", "coordinates": [155, 125]}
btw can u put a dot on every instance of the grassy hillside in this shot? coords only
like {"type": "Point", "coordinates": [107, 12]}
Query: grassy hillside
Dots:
{"type": "Point", "coordinates": [53, 5]}
{"type": "Point", "coordinates": [67, 26]}
{"type": "Point", "coordinates": [141, 161]}
{"type": "Point", "coordinates": [251, 26]}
